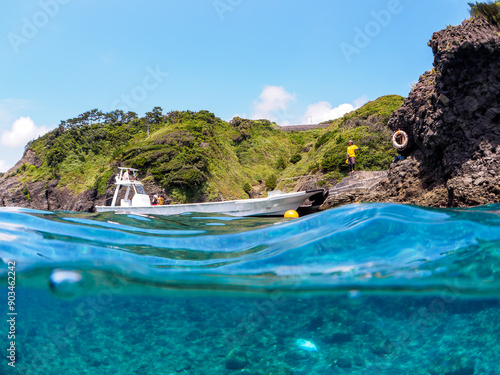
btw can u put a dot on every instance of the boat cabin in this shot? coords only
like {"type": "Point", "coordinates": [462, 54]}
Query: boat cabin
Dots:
{"type": "Point", "coordinates": [127, 178]}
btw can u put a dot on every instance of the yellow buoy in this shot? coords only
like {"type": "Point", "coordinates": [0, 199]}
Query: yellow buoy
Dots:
{"type": "Point", "coordinates": [291, 213]}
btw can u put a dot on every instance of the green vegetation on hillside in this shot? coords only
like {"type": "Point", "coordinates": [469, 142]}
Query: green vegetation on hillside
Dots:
{"type": "Point", "coordinates": [490, 11]}
{"type": "Point", "coordinates": [196, 156]}
{"type": "Point", "coordinates": [367, 127]}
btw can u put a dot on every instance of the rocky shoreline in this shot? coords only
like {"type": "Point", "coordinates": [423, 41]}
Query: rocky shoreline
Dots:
{"type": "Point", "coordinates": [41, 195]}
{"type": "Point", "coordinates": [452, 118]}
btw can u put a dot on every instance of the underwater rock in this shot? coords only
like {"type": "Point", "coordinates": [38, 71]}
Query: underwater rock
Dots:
{"type": "Point", "coordinates": [295, 357]}
{"type": "Point", "coordinates": [236, 361]}
{"type": "Point", "coordinates": [250, 372]}
{"type": "Point", "coordinates": [362, 327]}
{"type": "Point", "coordinates": [315, 323]}
{"type": "Point", "coordinates": [460, 371]}
{"type": "Point", "coordinates": [183, 366]}
{"type": "Point", "coordinates": [451, 365]}
{"type": "Point", "coordinates": [344, 363]}
{"type": "Point", "coordinates": [382, 348]}
{"type": "Point", "coordinates": [359, 361]}
{"type": "Point", "coordinates": [337, 338]}
{"type": "Point", "coordinates": [193, 335]}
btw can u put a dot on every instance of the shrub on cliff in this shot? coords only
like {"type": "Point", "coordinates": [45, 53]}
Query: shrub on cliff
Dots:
{"type": "Point", "coordinates": [490, 11]}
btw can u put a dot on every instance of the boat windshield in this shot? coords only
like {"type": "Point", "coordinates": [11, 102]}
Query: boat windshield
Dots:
{"type": "Point", "coordinates": [139, 189]}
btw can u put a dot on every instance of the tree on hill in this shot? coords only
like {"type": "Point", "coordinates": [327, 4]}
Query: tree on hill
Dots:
{"type": "Point", "coordinates": [95, 116]}
{"type": "Point", "coordinates": [119, 117]}
{"type": "Point", "coordinates": [155, 117]}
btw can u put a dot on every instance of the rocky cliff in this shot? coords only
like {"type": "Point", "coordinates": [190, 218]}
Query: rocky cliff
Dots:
{"type": "Point", "coordinates": [452, 118]}
{"type": "Point", "coordinates": [16, 191]}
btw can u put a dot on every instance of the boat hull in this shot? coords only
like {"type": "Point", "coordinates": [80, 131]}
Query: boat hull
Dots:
{"type": "Point", "coordinates": [275, 205]}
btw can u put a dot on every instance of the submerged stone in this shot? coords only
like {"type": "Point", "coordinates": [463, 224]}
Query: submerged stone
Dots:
{"type": "Point", "coordinates": [236, 361]}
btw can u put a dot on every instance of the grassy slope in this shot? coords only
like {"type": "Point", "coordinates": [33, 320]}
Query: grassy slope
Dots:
{"type": "Point", "coordinates": [200, 157]}
{"type": "Point", "coordinates": [366, 126]}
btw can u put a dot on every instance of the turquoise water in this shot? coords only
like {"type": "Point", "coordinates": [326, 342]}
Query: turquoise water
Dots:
{"type": "Point", "coordinates": [361, 289]}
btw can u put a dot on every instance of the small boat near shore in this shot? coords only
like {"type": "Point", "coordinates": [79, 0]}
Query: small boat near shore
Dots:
{"type": "Point", "coordinates": [136, 201]}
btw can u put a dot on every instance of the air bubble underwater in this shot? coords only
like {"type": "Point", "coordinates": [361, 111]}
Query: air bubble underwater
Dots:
{"type": "Point", "coordinates": [66, 283]}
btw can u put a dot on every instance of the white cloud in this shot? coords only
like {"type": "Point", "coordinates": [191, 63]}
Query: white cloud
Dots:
{"type": "Point", "coordinates": [273, 104]}
{"type": "Point", "coordinates": [323, 111]}
{"type": "Point", "coordinates": [23, 130]}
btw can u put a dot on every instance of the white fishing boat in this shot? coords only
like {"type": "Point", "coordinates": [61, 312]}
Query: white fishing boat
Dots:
{"type": "Point", "coordinates": [136, 201]}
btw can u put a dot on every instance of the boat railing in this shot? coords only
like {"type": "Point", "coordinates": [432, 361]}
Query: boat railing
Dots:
{"type": "Point", "coordinates": [126, 175]}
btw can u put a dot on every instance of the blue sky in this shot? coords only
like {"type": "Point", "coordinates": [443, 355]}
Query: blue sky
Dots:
{"type": "Point", "coordinates": [291, 61]}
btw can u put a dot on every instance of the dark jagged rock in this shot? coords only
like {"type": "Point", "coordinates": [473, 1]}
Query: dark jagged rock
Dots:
{"type": "Point", "coordinates": [452, 118]}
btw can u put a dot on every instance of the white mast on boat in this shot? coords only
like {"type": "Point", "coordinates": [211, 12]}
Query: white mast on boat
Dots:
{"type": "Point", "coordinates": [127, 178]}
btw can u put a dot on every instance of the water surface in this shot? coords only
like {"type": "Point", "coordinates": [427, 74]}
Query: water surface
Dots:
{"type": "Point", "coordinates": [375, 288]}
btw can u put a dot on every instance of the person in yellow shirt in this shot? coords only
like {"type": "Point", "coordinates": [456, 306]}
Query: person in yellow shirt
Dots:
{"type": "Point", "coordinates": [351, 156]}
